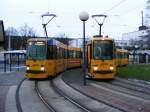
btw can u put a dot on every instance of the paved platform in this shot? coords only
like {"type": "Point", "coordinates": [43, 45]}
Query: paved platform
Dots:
{"type": "Point", "coordinates": [10, 104]}
{"type": "Point", "coordinates": [8, 83]}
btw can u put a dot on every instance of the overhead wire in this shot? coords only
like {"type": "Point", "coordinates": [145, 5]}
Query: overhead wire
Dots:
{"type": "Point", "coordinates": [116, 5]}
{"type": "Point", "coordinates": [124, 12]}
{"type": "Point", "coordinates": [130, 10]}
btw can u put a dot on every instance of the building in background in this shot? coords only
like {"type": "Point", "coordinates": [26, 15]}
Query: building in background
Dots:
{"type": "Point", "coordinates": [140, 38]}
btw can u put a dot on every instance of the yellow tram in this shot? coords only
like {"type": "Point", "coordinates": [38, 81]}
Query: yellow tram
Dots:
{"type": "Point", "coordinates": [102, 59]}
{"type": "Point", "coordinates": [48, 57]}
{"type": "Point", "coordinates": [122, 57]}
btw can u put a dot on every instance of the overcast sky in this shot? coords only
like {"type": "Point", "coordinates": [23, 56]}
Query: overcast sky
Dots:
{"type": "Point", "coordinates": [125, 17]}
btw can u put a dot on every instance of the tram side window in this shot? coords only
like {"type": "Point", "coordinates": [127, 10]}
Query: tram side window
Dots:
{"type": "Point", "coordinates": [70, 54]}
{"type": "Point", "coordinates": [126, 55]}
{"type": "Point", "coordinates": [65, 53]}
{"type": "Point", "coordinates": [77, 54]}
{"type": "Point", "coordinates": [54, 52]}
{"type": "Point", "coordinates": [50, 52]}
{"type": "Point", "coordinates": [74, 54]}
{"type": "Point", "coordinates": [58, 53]}
{"type": "Point", "coordinates": [117, 55]}
{"type": "Point", "coordinates": [61, 53]}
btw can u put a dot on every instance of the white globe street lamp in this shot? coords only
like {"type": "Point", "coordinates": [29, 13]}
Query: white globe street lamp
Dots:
{"type": "Point", "coordinates": [84, 16]}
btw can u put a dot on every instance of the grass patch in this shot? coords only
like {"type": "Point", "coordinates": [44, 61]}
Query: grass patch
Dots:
{"type": "Point", "coordinates": [141, 72]}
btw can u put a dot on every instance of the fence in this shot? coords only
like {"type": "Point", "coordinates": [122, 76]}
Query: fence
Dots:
{"type": "Point", "coordinates": [139, 58]}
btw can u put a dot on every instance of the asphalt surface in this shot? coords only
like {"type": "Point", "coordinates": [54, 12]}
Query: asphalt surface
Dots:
{"type": "Point", "coordinates": [76, 77]}
{"type": "Point", "coordinates": [7, 80]}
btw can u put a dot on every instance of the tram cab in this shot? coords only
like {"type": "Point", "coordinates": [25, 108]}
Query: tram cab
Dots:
{"type": "Point", "coordinates": [101, 58]}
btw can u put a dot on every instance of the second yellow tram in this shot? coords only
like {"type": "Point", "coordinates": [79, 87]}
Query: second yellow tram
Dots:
{"type": "Point", "coordinates": [102, 58]}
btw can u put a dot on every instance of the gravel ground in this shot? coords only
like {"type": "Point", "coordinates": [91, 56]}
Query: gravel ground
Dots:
{"type": "Point", "coordinates": [6, 80]}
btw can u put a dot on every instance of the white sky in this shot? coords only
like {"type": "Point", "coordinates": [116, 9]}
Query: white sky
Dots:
{"type": "Point", "coordinates": [124, 18]}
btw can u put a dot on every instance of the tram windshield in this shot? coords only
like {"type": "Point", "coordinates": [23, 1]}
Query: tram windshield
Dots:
{"type": "Point", "coordinates": [36, 50]}
{"type": "Point", "coordinates": [103, 50]}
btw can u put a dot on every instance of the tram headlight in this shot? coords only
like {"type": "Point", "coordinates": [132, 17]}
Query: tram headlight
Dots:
{"type": "Point", "coordinates": [42, 68]}
{"type": "Point", "coordinates": [27, 68]}
{"type": "Point", "coordinates": [95, 68]}
{"type": "Point", "coordinates": [111, 68]}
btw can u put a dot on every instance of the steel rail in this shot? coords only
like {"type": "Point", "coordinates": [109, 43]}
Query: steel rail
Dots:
{"type": "Point", "coordinates": [43, 99]}
{"type": "Point", "coordinates": [68, 98]}
{"type": "Point", "coordinates": [131, 87]}
{"type": "Point", "coordinates": [94, 97]}
{"type": "Point", "coordinates": [18, 104]}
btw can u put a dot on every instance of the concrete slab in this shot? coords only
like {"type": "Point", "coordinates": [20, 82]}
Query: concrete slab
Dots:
{"type": "Point", "coordinates": [84, 100]}
{"type": "Point", "coordinates": [56, 100]}
{"type": "Point", "coordinates": [10, 104]}
{"type": "Point", "coordinates": [30, 101]}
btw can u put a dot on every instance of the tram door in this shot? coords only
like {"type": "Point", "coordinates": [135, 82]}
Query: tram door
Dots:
{"type": "Point", "coordinates": [89, 57]}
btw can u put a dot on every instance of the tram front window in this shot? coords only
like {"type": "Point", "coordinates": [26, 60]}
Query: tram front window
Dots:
{"type": "Point", "coordinates": [103, 50]}
{"type": "Point", "coordinates": [36, 51]}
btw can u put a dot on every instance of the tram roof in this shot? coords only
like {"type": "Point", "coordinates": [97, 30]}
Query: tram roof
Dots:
{"type": "Point", "coordinates": [97, 37]}
{"type": "Point", "coordinates": [122, 50]}
{"type": "Point", "coordinates": [14, 52]}
{"type": "Point", "coordinates": [48, 40]}
{"type": "Point", "coordinates": [38, 39]}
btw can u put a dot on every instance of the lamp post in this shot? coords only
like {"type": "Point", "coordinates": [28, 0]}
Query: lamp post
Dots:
{"type": "Point", "coordinates": [84, 16]}
{"type": "Point", "coordinates": [135, 50]}
{"type": "Point", "coordinates": [100, 18]}
{"type": "Point", "coordinates": [44, 23]}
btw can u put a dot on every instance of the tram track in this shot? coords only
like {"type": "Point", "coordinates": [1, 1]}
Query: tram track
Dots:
{"type": "Point", "coordinates": [117, 100]}
{"type": "Point", "coordinates": [124, 99]}
{"type": "Point", "coordinates": [94, 98]}
{"type": "Point", "coordinates": [18, 104]}
{"type": "Point", "coordinates": [53, 98]}
{"type": "Point", "coordinates": [103, 106]}
{"type": "Point", "coordinates": [69, 98]}
{"type": "Point", "coordinates": [26, 98]}
{"type": "Point", "coordinates": [123, 90]}
{"type": "Point", "coordinates": [131, 85]}
{"type": "Point", "coordinates": [135, 97]}
{"type": "Point", "coordinates": [57, 97]}
{"type": "Point", "coordinates": [43, 99]}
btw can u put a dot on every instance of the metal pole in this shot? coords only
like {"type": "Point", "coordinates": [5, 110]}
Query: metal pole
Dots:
{"type": "Point", "coordinates": [4, 62]}
{"type": "Point", "coordinates": [84, 60]}
{"type": "Point", "coordinates": [9, 42]}
{"type": "Point", "coordinates": [100, 28]}
{"type": "Point", "coordinates": [10, 61]}
{"type": "Point", "coordinates": [18, 61]}
{"type": "Point", "coordinates": [45, 30]}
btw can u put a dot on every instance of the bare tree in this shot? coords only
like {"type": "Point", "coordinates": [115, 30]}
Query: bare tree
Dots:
{"type": "Point", "coordinates": [27, 31]}
{"type": "Point", "coordinates": [11, 31]}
